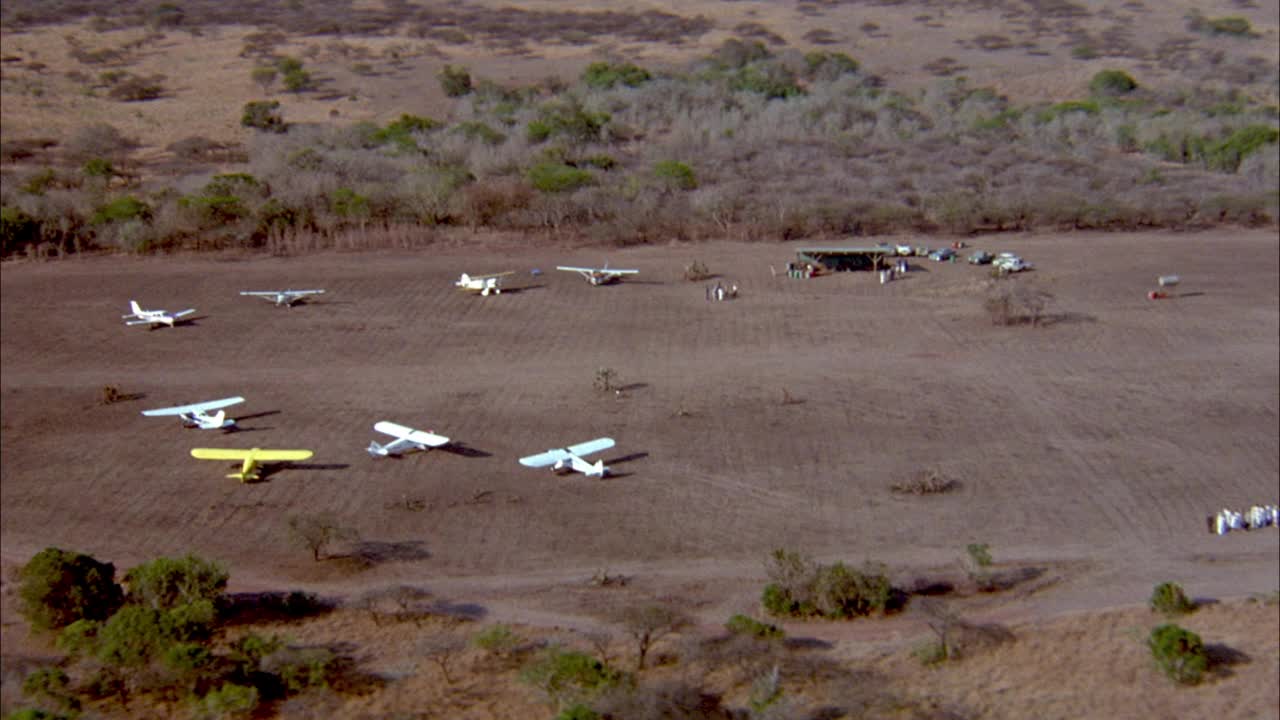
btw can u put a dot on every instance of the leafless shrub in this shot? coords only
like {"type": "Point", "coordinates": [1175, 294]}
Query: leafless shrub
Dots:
{"type": "Point", "coordinates": [697, 271]}
{"type": "Point", "coordinates": [1009, 303]}
{"type": "Point", "coordinates": [929, 481]}
{"type": "Point", "coordinates": [110, 395]}
{"type": "Point", "coordinates": [648, 624]}
{"type": "Point", "coordinates": [99, 140]}
{"type": "Point", "coordinates": [443, 648]}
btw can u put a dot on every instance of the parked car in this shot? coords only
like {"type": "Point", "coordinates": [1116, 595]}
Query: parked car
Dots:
{"type": "Point", "coordinates": [904, 250]}
{"type": "Point", "coordinates": [942, 254]}
{"type": "Point", "coordinates": [980, 257]}
{"type": "Point", "coordinates": [1015, 265]}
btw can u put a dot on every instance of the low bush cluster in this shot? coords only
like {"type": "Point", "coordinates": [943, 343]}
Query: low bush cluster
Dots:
{"type": "Point", "coordinates": [801, 588]}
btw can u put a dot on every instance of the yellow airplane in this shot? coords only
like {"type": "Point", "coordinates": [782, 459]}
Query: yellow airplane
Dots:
{"type": "Point", "coordinates": [251, 458]}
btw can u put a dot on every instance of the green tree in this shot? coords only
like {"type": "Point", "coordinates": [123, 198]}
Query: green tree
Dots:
{"type": "Point", "coordinates": [166, 583]}
{"type": "Point", "coordinates": [263, 115]}
{"type": "Point", "coordinates": [647, 624]}
{"type": "Point", "coordinates": [568, 676]}
{"type": "Point", "coordinates": [58, 587]}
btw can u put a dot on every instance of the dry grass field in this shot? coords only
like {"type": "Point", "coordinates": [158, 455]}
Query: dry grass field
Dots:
{"type": "Point", "coordinates": [1088, 450]}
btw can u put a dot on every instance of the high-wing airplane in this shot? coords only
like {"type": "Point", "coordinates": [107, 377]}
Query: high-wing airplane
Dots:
{"type": "Point", "coordinates": [598, 276]}
{"type": "Point", "coordinates": [197, 415]}
{"type": "Point", "coordinates": [406, 438]}
{"type": "Point", "coordinates": [484, 284]}
{"type": "Point", "coordinates": [571, 458]}
{"type": "Point", "coordinates": [282, 297]}
{"type": "Point", "coordinates": [250, 458]}
{"type": "Point", "coordinates": [152, 317]}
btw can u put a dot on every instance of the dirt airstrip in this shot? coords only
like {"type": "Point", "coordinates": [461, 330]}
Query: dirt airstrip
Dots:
{"type": "Point", "coordinates": [1088, 450]}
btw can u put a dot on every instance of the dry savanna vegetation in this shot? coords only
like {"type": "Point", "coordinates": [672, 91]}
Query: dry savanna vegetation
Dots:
{"type": "Point", "coordinates": [957, 495]}
{"type": "Point", "coordinates": [148, 127]}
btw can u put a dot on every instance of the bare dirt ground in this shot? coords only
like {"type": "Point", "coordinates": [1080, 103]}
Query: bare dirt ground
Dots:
{"type": "Point", "coordinates": [1089, 450]}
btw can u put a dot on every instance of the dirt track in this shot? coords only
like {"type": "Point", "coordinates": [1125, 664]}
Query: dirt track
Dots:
{"type": "Point", "coordinates": [1092, 447]}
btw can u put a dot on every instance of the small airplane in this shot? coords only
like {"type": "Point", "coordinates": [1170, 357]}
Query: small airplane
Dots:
{"type": "Point", "coordinates": [197, 415]}
{"type": "Point", "coordinates": [152, 317]}
{"type": "Point", "coordinates": [250, 458]}
{"type": "Point", "coordinates": [598, 276]}
{"type": "Point", "coordinates": [282, 297]}
{"type": "Point", "coordinates": [484, 284]}
{"type": "Point", "coordinates": [406, 438]}
{"type": "Point", "coordinates": [571, 458]}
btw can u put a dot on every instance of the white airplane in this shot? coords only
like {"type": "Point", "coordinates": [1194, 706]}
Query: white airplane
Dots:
{"type": "Point", "coordinates": [406, 438]}
{"type": "Point", "coordinates": [484, 284]}
{"type": "Point", "coordinates": [197, 415]}
{"type": "Point", "coordinates": [571, 458]}
{"type": "Point", "coordinates": [152, 317]}
{"type": "Point", "coordinates": [282, 297]}
{"type": "Point", "coordinates": [598, 276]}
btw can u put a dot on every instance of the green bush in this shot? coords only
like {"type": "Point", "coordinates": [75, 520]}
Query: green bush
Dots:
{"type": "Point", "coordinates": [750, 627]}
{"type": "Point", "coordinates": [297, 81]}
{"type": "Point", "coordinates": [1168, 598]}
{"type": "Point", "coordinates": [58, 587]}
{"type": "Point", "coordinates": [121, 209]}
{"type": "Point", "coordinates": [1088, 107]}
{"type": "Point", "coordinates": [1179, 653]}
{"type": "Point", "coordinates": [98, 167]}
{"type": "Point", "coordinates": [1227, 154]}
{"type": "Point", "coordinates": [804, 589]}
{"type": "Point", "coordinates": [497, 640]}
{"type": "Point", "coordinates": [347, 203]}
{"type": "Point", "coordinates": [1112, 83]}
{"type": "Point", "coordinates": [578, 711]}
{"type": "Point", "coordinates": [569, 120]}
{"type": "Point", "coordinates": [166, 583]}
{"type": "Point", "coordinates": [568, 676]}
{"type": "Point", "coordinates": [604, 76]}
{"type": "Point", "coordinates": [476, 130]}
{"type": "Point", "coordinates": [134, 636]}
{"type": "Point", "coordinates": [17, 230]}
{"type": "Point", "coordinates": [401, 130]}
{"type": "Point", "coordinates": [263, 115]}
{"type": "Point", "coordinates": [230, 701]}
{"type": "Point", "coordinates": [455, 80]}
{"type": "Point", "coordinates": [674, 175]}
{"type": "Point", "coordinates": [770, 80]}
{"type": "Point", "coordinates": [844, 593]}
{"type": "Point", "coordinates": [550, 177]}
{"type": "Point", "coordinates": [829, 65]}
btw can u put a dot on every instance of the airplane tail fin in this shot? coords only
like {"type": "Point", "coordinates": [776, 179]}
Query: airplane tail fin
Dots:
{"type": "Point", "coordinates": [599, 470]}
{"type": "Point", "coordinates": [376, 450]}
{"type": "Point", "coordinates": [217, 420]}
{"type": "Point", "coordinates": [135, 307]}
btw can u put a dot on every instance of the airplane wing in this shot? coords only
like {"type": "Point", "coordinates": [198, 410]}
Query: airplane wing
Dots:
{"type": "Point", "coordinates": [182, 313]}
{"type": "Point", "coordinates": [550, 457]}
{"type": "Point", "coordinates": [219, 453]}
{"type": "Point", "coordinates": [303, 292]}
{"type": "Point", "coordinates": [402, 432]}
{"type": "Point", "coordinates": [278, 455]}
{"type": "Point", "coordinates": [553, 456]}
{"type": "Point", "coordinates": [260, 293]}
{"type": "Point", "coordinates": [194, 407]}
{"type": "Point", "coordinates": [611, 271]}
{"type": "Point", "coordinates": [570, 268]}
{"type": "Point", "coordinates": [591, 446]}
{"type": "Point", "coordinates": [493, 275]}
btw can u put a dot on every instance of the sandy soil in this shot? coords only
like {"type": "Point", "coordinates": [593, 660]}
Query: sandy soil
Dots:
{"type": "Point", "coordinates": [1089, 450]}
